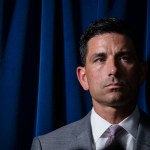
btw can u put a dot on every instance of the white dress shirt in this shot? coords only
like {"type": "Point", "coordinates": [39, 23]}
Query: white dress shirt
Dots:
{"type": "Point", "coordinates": [99, 126]}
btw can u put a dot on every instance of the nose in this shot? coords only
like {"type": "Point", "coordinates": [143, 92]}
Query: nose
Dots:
{"type": "Point", "coordinates": [112, 67]}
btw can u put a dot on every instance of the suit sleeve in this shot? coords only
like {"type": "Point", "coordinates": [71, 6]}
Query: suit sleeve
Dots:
{"type": "Point", "coordinates": [36, 145]}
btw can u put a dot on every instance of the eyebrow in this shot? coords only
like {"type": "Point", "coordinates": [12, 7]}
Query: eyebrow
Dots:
{"type": "Point", "coordinates": [96, 55]}
{"type": "Point", "coordinates": [127, 53]}
{"type": "Point", "coordinates": [103, 54]}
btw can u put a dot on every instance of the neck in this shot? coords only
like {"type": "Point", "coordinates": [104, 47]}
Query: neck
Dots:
{"type": "Point", "coordinates": [114, 115]}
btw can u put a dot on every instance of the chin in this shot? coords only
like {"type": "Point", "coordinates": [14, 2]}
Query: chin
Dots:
{"type": "Point", "coordinates": [116, 100]}
{"type": "Point", "coordinates": [112, 99]}
{"type": "Point", "coordinates": [116, 97]}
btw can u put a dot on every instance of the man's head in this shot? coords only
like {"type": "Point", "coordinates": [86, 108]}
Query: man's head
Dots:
{"type": "Point", "coordinates": [111, 69]}
{"type": "Point", "coordinates": [108, 25]}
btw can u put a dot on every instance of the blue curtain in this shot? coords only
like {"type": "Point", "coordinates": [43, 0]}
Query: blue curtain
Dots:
{"type": "Point", "coordinates": [39, 53]}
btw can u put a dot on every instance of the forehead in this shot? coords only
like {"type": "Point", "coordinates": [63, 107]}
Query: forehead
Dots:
{"type": "Point", "coordinates": [110, 42]}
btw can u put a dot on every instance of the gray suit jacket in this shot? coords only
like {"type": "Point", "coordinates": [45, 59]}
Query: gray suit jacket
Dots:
{"type": "Point", "coordinates": [78, 136]}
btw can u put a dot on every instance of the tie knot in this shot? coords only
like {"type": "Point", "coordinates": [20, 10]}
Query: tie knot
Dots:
{"type": "Point", "coordinates": [115, 129]}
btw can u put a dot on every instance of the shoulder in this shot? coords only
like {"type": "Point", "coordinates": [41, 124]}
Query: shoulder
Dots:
{"type": "Point", "coordinates": [144, 124]}
{"type": "Point", "coordinates": [68, 131]}
{"type": "Point", "coordinates": [67, 137]}
{"type": "Point", "coordinates": [145, 119]}
{"type": "Point", "coordinates": [143, 133]}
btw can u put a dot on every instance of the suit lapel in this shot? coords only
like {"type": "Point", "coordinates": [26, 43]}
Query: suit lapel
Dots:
{"type": "Point", "coordinates": [84, 135]}
{"type": "Point", "coordinates": [84, 141]}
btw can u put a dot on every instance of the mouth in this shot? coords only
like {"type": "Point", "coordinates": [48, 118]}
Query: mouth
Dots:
{"type": "Point", "coordinates": [114, 85]}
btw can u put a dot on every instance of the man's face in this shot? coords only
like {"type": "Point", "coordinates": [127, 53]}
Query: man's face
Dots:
{"type": "Point", "coordinates": [112, 73]}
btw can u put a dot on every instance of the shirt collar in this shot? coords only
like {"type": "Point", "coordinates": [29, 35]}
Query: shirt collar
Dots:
{"type": "Point", "coordinates": [99, 125]}
{"type": "Point", "coordinates": [130, 124]}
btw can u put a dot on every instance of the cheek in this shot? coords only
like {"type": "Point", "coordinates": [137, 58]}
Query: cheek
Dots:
{"type": "Point", "coordinates": [129, 70]}
{"type": "Point", "coordinates": [132, 77]}
{"type": "Point", "coordinates": [94, 78]}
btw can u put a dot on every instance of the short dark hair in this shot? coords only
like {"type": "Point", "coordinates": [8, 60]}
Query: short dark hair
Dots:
{"type": "Point", "coordinates": [108, 25]}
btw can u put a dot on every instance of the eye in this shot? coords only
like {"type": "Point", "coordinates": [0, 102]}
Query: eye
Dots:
{"type": "Point", "coordinates": [124, 58]}
{"type": "Point", "coordinates": [100, 59]}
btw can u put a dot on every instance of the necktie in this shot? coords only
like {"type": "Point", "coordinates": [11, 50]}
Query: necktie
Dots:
{"type": "Point", "coordinates": [114, 131]}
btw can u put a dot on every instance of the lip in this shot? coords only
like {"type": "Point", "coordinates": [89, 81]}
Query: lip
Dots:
{"type": "Point", "coordinates": [114, 85]}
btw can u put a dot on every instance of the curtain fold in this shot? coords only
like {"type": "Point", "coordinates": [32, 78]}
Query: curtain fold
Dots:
{"type": "Point", "coordinates": [46, 68]}
{"type": "Point", "coordinates": [39, 53]}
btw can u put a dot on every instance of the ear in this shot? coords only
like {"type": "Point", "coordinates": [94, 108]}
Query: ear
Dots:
{"type": "Point", "coordinates": [81, 74]}
{"type": "Point", "coordinates": [143, 72]}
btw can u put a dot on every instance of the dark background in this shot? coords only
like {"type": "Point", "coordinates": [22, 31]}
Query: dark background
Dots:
{"type": "Point", "coordinates": [39, 53]}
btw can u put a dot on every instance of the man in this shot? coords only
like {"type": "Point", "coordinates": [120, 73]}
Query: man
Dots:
{"type": "Point", "coordinates": [112, 71]}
